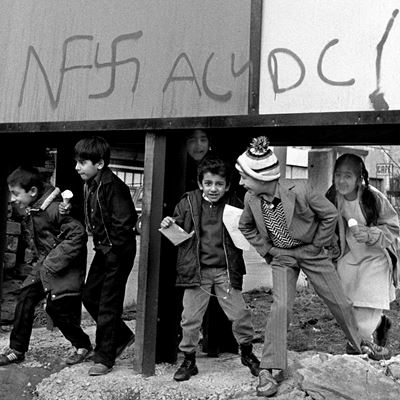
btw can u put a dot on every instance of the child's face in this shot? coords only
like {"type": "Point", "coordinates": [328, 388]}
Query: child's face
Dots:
{"type": "Point", "coordinates": [256, 187]}
{"type": "Point", "coordinates": [21, 197]}
{"type": "Point", "coordinates": [346, 181]}
{"type": "Point", "coordinates": [197, 145]}
{"type": "Point", "coordinates": [213, 186]}
{"type": "Point", "coordinates": [87, 170]}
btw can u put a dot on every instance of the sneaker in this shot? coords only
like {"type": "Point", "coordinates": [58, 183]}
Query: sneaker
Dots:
{"type": "Point", "coordinates": [374, 351]}
{"type": "Point", "coordinates": [99, 369]}
{"type": "Point", "coordinates": [187, 369]}
{"type": "Point", "coordinates": [252, 362]}
{"type": "Point", "coordinates": [121, 348]}
{"type": "Point", "coordinates": [381, 332]}
{"type": "Point", "coordinates": [11, 356]}
{"type": "Point", "coordinates": [78, 356]}
{"type": "Point", "coordinates": [267, 385]}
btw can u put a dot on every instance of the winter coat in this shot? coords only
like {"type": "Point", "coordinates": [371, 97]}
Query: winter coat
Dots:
{"type": "Point", "coordinates": [112, 213]}
{"type": "Point", "coordinates": [310, 217]}
{"type": "Point", "coordinates": [385, 234]}
{"type": "Point", "coordinates": [59, 243]}
{"type": "Point", "coordinates": [187, 215]}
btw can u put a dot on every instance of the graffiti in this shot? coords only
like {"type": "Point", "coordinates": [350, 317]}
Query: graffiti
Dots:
{"type": "Point", "coordinates": [54, 96]}
{"type": "Point", "coordinates": [224, 97]}
{"type": "Point", "coordinates": [376, 97]}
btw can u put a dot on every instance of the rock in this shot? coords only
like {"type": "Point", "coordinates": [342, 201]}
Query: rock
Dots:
{"type": "Point", "coordinates": [324, 376]}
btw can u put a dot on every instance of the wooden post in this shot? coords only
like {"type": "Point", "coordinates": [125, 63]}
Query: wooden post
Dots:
{"type": "Point", "coordinates": [150, 251]}
{"type": "Point", "coordinates": [3, 214]}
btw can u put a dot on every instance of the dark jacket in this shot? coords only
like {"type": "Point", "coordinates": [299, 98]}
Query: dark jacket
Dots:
{"type": "Point", "coordinates": [112, 212]}
{"type": "Point", "coordinates": [187, 215]}
{"type": "Point", "coordinates": [59, 242]}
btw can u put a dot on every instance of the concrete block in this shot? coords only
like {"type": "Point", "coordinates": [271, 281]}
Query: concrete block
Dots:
{"type": "Point", "coordinates": [13, 228]}
{"type": "Point", "coordinates": [12, 243]}
{"type": "Point", "coordinates": [9, 260]}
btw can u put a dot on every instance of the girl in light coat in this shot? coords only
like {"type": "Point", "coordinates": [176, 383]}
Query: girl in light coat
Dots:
{"type": "Point", "coordinates": [367, 256]}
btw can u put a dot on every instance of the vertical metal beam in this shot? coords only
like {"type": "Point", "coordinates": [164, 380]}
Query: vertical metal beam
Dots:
{"type": "Point", "coordinates": [150, 250]}
{"type": "Point", "coordinates": [255, 56]}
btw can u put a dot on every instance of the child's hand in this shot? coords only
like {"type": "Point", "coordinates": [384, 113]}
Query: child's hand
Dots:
{"type": "Point", "coordinates": [64, 208]}
{"type": "Point", "coordinates": [167, 222]}
{"type": "Point", "coordinates": [362, 235]}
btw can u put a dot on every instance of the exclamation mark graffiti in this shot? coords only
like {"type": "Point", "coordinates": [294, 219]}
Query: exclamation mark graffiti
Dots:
{"type": "Point", "coordinates": [376, 97]}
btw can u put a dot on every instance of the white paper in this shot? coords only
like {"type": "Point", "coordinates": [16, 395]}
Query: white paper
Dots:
{"type": "Point", "coordinates": [231, 218]}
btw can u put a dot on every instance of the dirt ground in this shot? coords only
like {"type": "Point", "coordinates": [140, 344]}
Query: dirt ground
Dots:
{"type": "Point", "coordinates": [312, 328]}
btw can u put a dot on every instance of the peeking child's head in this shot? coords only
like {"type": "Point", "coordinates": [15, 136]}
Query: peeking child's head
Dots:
{"type": "Point", "coordinates": [25, 184]}
{"type": "Point", "coordinates": [214, 177]}
{"type": "Point", "coordinates": [92, 155]}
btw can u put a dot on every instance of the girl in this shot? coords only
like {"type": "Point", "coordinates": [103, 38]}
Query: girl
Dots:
{"type": "Point", "coordinates": [368, 252]}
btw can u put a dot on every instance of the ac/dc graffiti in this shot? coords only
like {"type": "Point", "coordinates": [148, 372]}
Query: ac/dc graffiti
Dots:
{"type": "Point", "coordinates": [376, 97]}
{"type": "Point", "coordinates": [114, 63]}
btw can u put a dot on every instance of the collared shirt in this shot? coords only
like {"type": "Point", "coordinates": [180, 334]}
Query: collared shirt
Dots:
{"type": "Point", "coordinates": [89, 190]}
{"type": "Point", "coordinates": [275, 222]}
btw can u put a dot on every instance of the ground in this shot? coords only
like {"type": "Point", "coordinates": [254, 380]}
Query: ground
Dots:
{"type": "Point", "coordinates": [312, 328]}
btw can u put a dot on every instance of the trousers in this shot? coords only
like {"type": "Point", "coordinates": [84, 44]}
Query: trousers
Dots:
{"type": "Point", "coordinates": [65, 313]}
{"type": "Point", "coordinates": [103, 298]}
{"type": "Point", "coordinates": [195, 302]}
{"type": "Point", "coordinates": [322, 274]}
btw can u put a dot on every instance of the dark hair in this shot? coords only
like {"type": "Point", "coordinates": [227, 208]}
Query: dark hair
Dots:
{"type": "Point", "coordinates": [368, 199]}
{"type": "Point", "coordinates": [215, 166]}
{"type": "Point", "coordinates": [94, 148]}
{"type": "Point", "coordinates": [26, 177]}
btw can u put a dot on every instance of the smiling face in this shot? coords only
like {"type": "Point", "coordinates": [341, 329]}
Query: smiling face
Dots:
{"type": "Point", "coordinates": [256, 187]}
{"type": "Point", "coordinates": [346, 181]}
{"type": "Point", "coordinates": [21, 197]}
{"type": "Point", "coordinates": [87, 170]}
{"type": "Point", "coordinates": [197, 145]}
{"type": "Point", "coordinates": [213, 186]}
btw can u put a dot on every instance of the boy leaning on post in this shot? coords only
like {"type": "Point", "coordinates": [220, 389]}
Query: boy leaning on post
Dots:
{"type": "Point", "coordinates": [207, 260]}
{"type": "Point", "coordinates": [291, 226]}
{"type": "Point", "coordinates": [58, 274]}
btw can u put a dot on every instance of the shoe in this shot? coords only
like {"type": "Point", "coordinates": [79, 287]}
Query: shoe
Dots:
{"type": "Point", "coordinates": [267, 385]}
{"type": "Point", "coordinates": [99, 369]}
{"type": "Point", "coordinates": [121, 348]}
{"type": "Point", "coordinates": [374, 351]}
{"type": "Point", "coordinates": [187, 369]}
{"type": "Point", "coordinates": [249, 359]}
{"type": "Point", "coordinates": [381, 332]}
{"type": "Point", "coordinates": [11, 356]}
{"type": "Point", "coordinates": [78, 356]}
{"type": "Point", "coordinates": [351, 350]}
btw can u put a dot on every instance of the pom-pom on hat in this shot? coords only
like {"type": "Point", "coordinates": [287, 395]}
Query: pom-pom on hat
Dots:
{"type": "Point", "coordinates": [259, 161]}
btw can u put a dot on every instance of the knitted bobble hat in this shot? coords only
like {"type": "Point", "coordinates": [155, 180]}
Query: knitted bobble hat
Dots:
{"type": "Point", "coordinates": [259, 161]}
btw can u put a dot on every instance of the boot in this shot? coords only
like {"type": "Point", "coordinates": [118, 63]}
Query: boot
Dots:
{"type": "Point", "coordinates": [187, 369]}
{"type": "Point", "coordinates": [249, 359]}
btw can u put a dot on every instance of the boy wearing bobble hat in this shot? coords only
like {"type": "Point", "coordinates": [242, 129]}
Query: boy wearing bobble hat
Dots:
{"type": "Point", "coordinates": [291, 226]}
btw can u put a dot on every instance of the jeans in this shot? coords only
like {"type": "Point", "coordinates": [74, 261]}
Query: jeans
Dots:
{"type": "Point", "coordinates": [103, 298]}
{"type": "Point", "coordinates": [65, 313]}
{"type": "Point", "coordinates": [195, 302]}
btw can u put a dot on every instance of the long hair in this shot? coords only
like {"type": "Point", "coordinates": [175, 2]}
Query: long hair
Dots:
{"type": "Point", "coordinates": [369, 202]}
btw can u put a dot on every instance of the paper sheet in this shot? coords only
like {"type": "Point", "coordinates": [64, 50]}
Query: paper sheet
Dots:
{"type": "Point", "coordinates": [231, 218]}
{"type": "Point", "coordinates": [176, 234]}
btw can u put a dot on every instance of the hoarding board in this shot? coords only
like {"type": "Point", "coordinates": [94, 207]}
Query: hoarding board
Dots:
{"type": "Point", "coordinates": [330, 56]}
{"type": "Point", "coordinates": [72, 60]}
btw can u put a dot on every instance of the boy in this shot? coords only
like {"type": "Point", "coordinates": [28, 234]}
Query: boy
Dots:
{"type": "Point", "coordinates": [60, 251]}
{"type": "Point", "coordinates": [209, 260]}
{"type": "Point", "coordinates": [110, 216]}
{"type": "Point", "coordinates": [291, 225]}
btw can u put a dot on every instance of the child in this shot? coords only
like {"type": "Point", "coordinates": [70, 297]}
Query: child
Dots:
{"type": "Point", "coordinates": [209, 260]}
{"type": "Point", "coordinates": [290, 225]}
{"type": "Point", "coordinates": [110, 216]}
{"type": "Point", "coordinates": [367, 262]}
{"type": "Point", "coordinates": [58, 275]}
